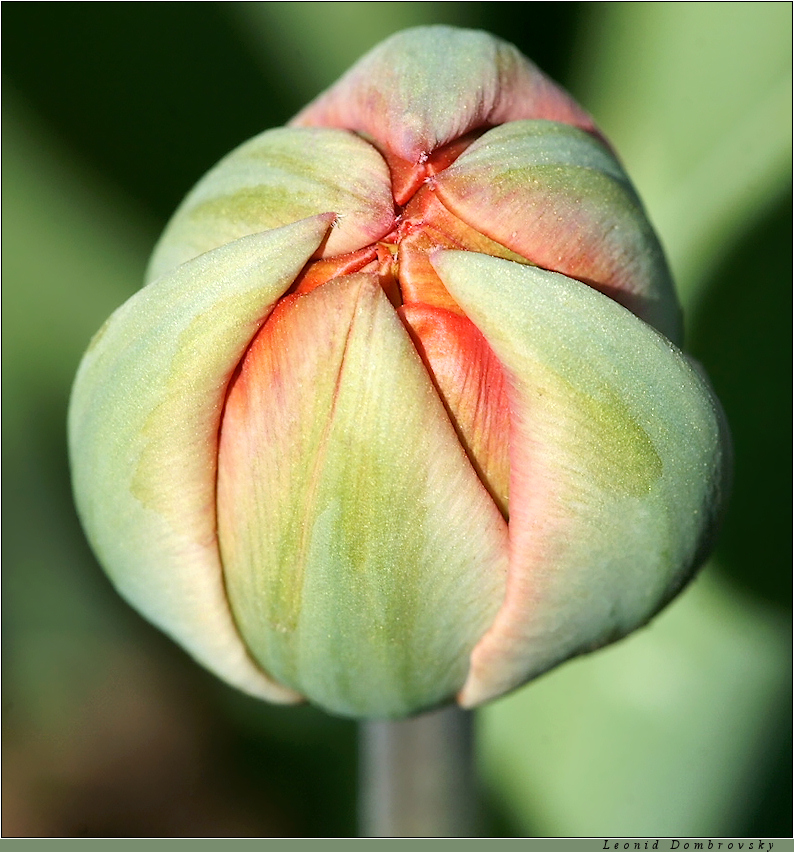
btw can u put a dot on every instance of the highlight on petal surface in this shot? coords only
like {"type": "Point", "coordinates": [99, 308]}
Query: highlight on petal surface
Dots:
{"type": "Point", "coordinates": [558, 197]}
{"type": "Point", "coordinates": [143, 428]}
{"type": "Point", "coordinates": [618, 455]}
{"type": "Point", "coordinates": [426, 87]}
{"type": "Point", "coordinates": [279, 177]}
{"type": "Point", "coordinates": [363, 557]}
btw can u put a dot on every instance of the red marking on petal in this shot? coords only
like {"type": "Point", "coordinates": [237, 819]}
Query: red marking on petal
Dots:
{"type": "Point", "coordinates": [428, 225]}
{"type": "Point", "coordinates": [409, 176]}
{"type": "Point", "coordinates": [428, 210]}
{"type": "Point", "coordinates": [418, 280]}
{"type": "Point", "coordinates": [406, 176]}
{"type": "Point", "coordinates": [472, 385]}
{"type": "Point", "coordinates": [322, 271]}
{"type": "Point", "coordinates": [443, 157]}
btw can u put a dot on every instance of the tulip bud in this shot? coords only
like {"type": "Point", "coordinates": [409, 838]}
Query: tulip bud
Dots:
{"type": "Point", "coordinates": [400, 416]}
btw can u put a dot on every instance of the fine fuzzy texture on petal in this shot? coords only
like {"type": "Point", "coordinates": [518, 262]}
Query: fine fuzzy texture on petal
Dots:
{"type": "Point", "coordinates": [143, 435]}
{"type": "Point", "coordinates": [558, 197]}
{"type": "Point", "coordinates": [425, 87]}
{"type": "Point", "coordinates": [278, 177]}
{"type": "Point", "coordinates": [618, 453]}
{"type": "Point", "coordinates": [363, 557]}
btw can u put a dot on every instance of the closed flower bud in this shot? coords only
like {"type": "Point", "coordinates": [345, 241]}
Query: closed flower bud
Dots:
{"type": "Point", "coordinates": [399, 417]}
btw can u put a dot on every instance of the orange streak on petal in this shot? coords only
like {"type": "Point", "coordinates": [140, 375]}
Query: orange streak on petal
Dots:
{"type": "Point", "coordinates": [321, 271]}
{"type": "Point", "coordinates": [406, 176]}
{"type": "Point", "coordinates": [472, 385]}
{"type": "Point", "coordinates": [427, 208]}
{"type": "Point", "coordinates": [418, 280]}
{"type": "Point", "coordinates": [443, 157]}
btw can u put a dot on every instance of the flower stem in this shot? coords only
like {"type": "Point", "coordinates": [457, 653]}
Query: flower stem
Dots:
{"type": "Point", "coordinates": [416, 776]}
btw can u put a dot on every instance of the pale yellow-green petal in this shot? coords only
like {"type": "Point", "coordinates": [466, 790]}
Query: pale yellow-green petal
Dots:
{"type": "Point", "coordinates": [282, 176]}
{"type": "Point", "coordinates": [363, 557]}
{"type": "Point", "coordinates": [143, 429]}
{"type": "Point", "coordinates": [619, 457]}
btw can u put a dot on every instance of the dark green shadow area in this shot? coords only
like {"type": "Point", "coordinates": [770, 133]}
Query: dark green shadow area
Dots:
{"type": "Point", "coordinates": [545, 32]}
{"type": "Point", "coordinates": [742, 335]}
{"type": "Point", "coordinates": [151, 94]}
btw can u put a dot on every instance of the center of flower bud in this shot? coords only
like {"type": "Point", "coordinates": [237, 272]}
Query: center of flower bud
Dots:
{"type": "Point", "coordinates": [464, 369]}
{"type": "Point", "coordinates": [467, 375]}
{"type": "Point", "coordinates": [401, 258]}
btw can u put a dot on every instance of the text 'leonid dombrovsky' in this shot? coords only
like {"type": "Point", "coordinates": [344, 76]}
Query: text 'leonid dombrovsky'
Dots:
{"type": "Point", "coordinates": [718, 845]}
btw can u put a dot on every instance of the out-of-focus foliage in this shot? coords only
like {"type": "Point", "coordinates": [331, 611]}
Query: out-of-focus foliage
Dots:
{"type": "Point", "coordinates": [111, 112]}
{"type": "Point", "coordinates": [702, 121]}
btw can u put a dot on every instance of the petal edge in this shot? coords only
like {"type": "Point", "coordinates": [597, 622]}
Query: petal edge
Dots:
{"type": "Point", "coordinates": [619, 458]}
{"type": "Point", "coordinates": [143, 422]}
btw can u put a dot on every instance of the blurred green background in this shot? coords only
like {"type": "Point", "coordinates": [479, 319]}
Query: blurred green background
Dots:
{"type": "Point", "coordinates": [111, 112]}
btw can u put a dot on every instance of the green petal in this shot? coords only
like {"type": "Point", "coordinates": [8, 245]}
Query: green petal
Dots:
{"type": "Point", "coordinates": [278, 177]}
{"type": "Point", "coordinates": [558, 197]}
{"type": "Point", "coordinates": [427, 86]}
{"type": "Point", "coordinates": [363, 557]}
{"type": "Point", "coordinates": [143, 430]}
{"type": "Point", "coordinates": [618, 456]}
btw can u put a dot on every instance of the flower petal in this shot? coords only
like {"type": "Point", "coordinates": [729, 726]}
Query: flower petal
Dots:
{"type": "Point", "coordinates": [425, 87]}
{"type": "Point", "coordinates": [363, 557]}
{"type": "Point", "coordinates": [278, 177]}
{"type": "Point", "coordinates": [557, 196]}
{"type": "Point", "coordinates": [143, 430]}
{"type": "Point", "coordinates": [618, 454]}
{"type": "Point", "coordinates": [471, 382]}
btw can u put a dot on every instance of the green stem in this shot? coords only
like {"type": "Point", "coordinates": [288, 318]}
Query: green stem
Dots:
{"type": "Point", "coordinates": [416, 776]}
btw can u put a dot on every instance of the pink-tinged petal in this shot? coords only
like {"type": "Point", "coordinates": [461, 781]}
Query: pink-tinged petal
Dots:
{"type": "Point", "coordinates": [278, 177]}
{"type": "Point", "coordinates": [407, 176]}
{"type": "Point", "coordinates": [143, 435]}
{"type": "Point", "coordinates": [426, 87]}
{"type": "Point", "coordinates": [472, 385]}
{"type": "Point", "coordinates": [426, 212]}
{"type": "Point", "coordinates": [363, 557]}
{"type": "Point", "coordinates": [556, 196]}
{"type": "Point", "coordinates": [619, 457]}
